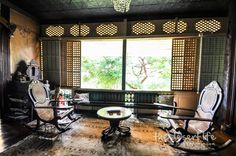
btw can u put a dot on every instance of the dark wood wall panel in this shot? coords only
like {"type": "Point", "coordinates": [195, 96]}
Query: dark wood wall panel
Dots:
{"type": "Point", "coordinates": [4, 60]}
{"type": "Point", "coordinates": [212, 61]}
{"type": "Point", "coordinates": [51, 57]}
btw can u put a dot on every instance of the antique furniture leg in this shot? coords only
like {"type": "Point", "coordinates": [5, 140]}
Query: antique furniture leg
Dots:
{"type": "Point", "coordinates": [114, 126]}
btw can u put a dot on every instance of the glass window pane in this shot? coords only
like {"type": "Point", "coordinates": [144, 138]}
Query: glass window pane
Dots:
{"type": "Point", "coordinates": [101, 66]}
{"type": "Point", "coordinates": [148, 64]}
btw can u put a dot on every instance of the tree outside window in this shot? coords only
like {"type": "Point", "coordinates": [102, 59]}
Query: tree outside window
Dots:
{"type": "Point", "coordinates": [101, 64]}
{"type": "Point", "coordinates": [148, 64]}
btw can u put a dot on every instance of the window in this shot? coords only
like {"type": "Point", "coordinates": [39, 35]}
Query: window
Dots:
{"type": "Point", "coordinates": [101, 64]}
{"type": "Point", "coordinates": [160, 64]}
{"type": "Point", "coordinates": [148, 64]}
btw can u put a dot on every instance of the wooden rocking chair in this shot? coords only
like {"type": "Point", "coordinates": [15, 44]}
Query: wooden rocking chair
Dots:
{"type": "Point", "coordinates": [201, 123]}
{"type": "Point", "coordinates": [45, 111]}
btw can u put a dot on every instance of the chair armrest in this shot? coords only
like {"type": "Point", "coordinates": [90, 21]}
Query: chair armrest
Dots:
{"type": "Point", "coordinates": [164, 105]}
{"type": "Point", "coordinates": [55, 107]}
{"type": "Point", "coordinates": [173, 107]}
{"type": "Point", "coordinates": [67, 100]}
{"type": "Point", "coordinates": [76, 100]}
{"type": "Point", "coordinates": [63, 107]}
{"type": "Point", "coordinates": [176, 117]}
{"type": "Point", "coordinates": [43, 107]}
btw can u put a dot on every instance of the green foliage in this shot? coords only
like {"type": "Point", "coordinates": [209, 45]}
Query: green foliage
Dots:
{"type": "Point", "coordinates": [148, 73]}
{"type": "Point", "coordinates": [145, 73]}
{"type": "Point", "coordinates": [105, 72]}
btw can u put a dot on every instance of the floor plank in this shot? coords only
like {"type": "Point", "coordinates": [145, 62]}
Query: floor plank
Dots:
{"type": "Point", "coordinates": [11, 132]}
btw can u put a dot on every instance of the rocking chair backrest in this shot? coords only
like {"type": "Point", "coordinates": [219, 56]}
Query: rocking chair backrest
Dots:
{"type": "Point", "coordinates": [209, 101]}
{"type": "Point", "coordinates": [40, 98]}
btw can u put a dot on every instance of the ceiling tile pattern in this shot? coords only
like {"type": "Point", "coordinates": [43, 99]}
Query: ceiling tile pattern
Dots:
{"type": "Point", "coordinates": [47, 11]}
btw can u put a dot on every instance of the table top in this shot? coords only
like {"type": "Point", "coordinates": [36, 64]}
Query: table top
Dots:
{"type": "Point", "coordinates": [114, 113]}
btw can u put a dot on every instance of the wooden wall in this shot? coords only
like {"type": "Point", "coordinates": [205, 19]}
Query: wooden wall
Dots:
{"type": "Point", "coordinates": [25, 44]}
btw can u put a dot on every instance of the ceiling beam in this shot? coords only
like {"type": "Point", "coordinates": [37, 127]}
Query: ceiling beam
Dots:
{"type": "Point", "coordinates": [13, 6]}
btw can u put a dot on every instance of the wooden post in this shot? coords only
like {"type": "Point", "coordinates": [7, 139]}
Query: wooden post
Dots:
{"type": "Point", "coordinates": [230, 73]}
{"type": "Point", "coordinates": [4, 59]}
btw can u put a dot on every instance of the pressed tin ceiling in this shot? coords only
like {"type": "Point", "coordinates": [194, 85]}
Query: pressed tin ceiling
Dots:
{"type": "Point", "coordinates": [50, 11]}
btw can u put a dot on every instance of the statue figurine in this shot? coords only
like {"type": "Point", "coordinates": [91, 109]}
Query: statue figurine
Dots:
{"type": "Point", "coordinates": [33, 70]}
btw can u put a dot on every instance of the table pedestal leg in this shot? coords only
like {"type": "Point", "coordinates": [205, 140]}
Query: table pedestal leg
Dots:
{"type": "Point", "coordinates": [114, 126]}
{"type": "Point", "coordinates": [124, 130]}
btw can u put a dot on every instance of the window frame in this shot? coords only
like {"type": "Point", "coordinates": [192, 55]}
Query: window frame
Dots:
{"type": "Point", "coordinates": [124, 61]}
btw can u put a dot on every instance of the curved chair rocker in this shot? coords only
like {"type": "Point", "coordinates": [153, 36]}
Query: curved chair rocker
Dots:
{"type": "Point", "coordinates": [200, 124]}
{"type": "Point", "coordinates": [47, 113]}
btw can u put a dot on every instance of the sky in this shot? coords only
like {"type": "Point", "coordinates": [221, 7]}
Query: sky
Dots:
{"type": "Point", "coordinates": [135, 47]}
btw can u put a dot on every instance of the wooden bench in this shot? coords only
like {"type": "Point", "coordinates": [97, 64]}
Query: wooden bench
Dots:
{"type": "Point", "coordinates": [141, 101]}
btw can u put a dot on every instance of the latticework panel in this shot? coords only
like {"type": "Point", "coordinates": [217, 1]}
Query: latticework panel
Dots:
{"type": "Point", "coordinates": [84, 30]}
{"type": "Point", "coordinates": [144, 28]}
{"type": "Point", "coordinates": [172, 27]}
{"type": "Point", "coordinates": [181, 26]}
{"type": "Point", "coordinates": [71, 64]}
{"type": "Point", "coordinates": [106, 29]}
{"type": "Point", "coordinates": [79, 30]}
{"type": "Point", "coordinates": [41, 56]}
{"type": "Point", "coordinates": [211, 25]}
{"type": "Point", "coordinates": [129, 97]}
{"type": "Point", "coordinates": [169, 27]}
{"type": "Point", "coordinates": [76, 63]}
{"type": "Point", "coordinates": [55, 31]}
{"type": "Point", "coordinates": [190, 73]}
{"type": "Point", "coordinates": [74, 30]}
{"type": "Point", "coordinates": [184, 64]}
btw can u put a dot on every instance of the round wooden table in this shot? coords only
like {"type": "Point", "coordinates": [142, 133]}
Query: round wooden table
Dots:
{"type": "Point", "coordinates": [114, 115]}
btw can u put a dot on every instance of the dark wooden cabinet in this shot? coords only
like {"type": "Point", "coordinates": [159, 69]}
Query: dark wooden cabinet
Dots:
{"type": "Point", "coordinates": [19, 104]}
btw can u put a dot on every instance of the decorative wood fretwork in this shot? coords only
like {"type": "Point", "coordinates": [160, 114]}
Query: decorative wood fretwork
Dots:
{"type": "Point", "coordinates": [129, 97]}
{"type": "Point", "coordinates": [211, 25]}
{"type": "Point", "coordinates": [181, 26]}
{"type": "Point", "coordinates": [184, 64]}
{"type": "Point", "coordinates": [41, 58]}
{"type": "Point", "coordinates": [164, 27]}
{"type": "Point", "coordinates": [54, 31]}
{"type": "Point", "coordinates": [169, 27]}
{"type": "Point", "coordinates": [74, 30]}
{"type": "Point", "coordinates": [145, 28]}
{"type": "Point", "coordinates": [70, 63]}
{"type": "Point", "coordinates": [84, 30]}
{"type": "Point", "coordinates": [79, 30]}
{"type": "Point", "coordinates": [107, 29]}
{"type": "Point", "coordinates": [174, 27]}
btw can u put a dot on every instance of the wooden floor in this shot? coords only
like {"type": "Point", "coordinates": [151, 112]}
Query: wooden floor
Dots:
{"type": "Point", "coordinates": [231, 150]}
{"type": "Point", "coordinates": [11, 132]}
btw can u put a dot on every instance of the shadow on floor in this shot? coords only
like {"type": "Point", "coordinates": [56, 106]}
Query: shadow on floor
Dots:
{"type": "Point", "coordinates": [11, 132]}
